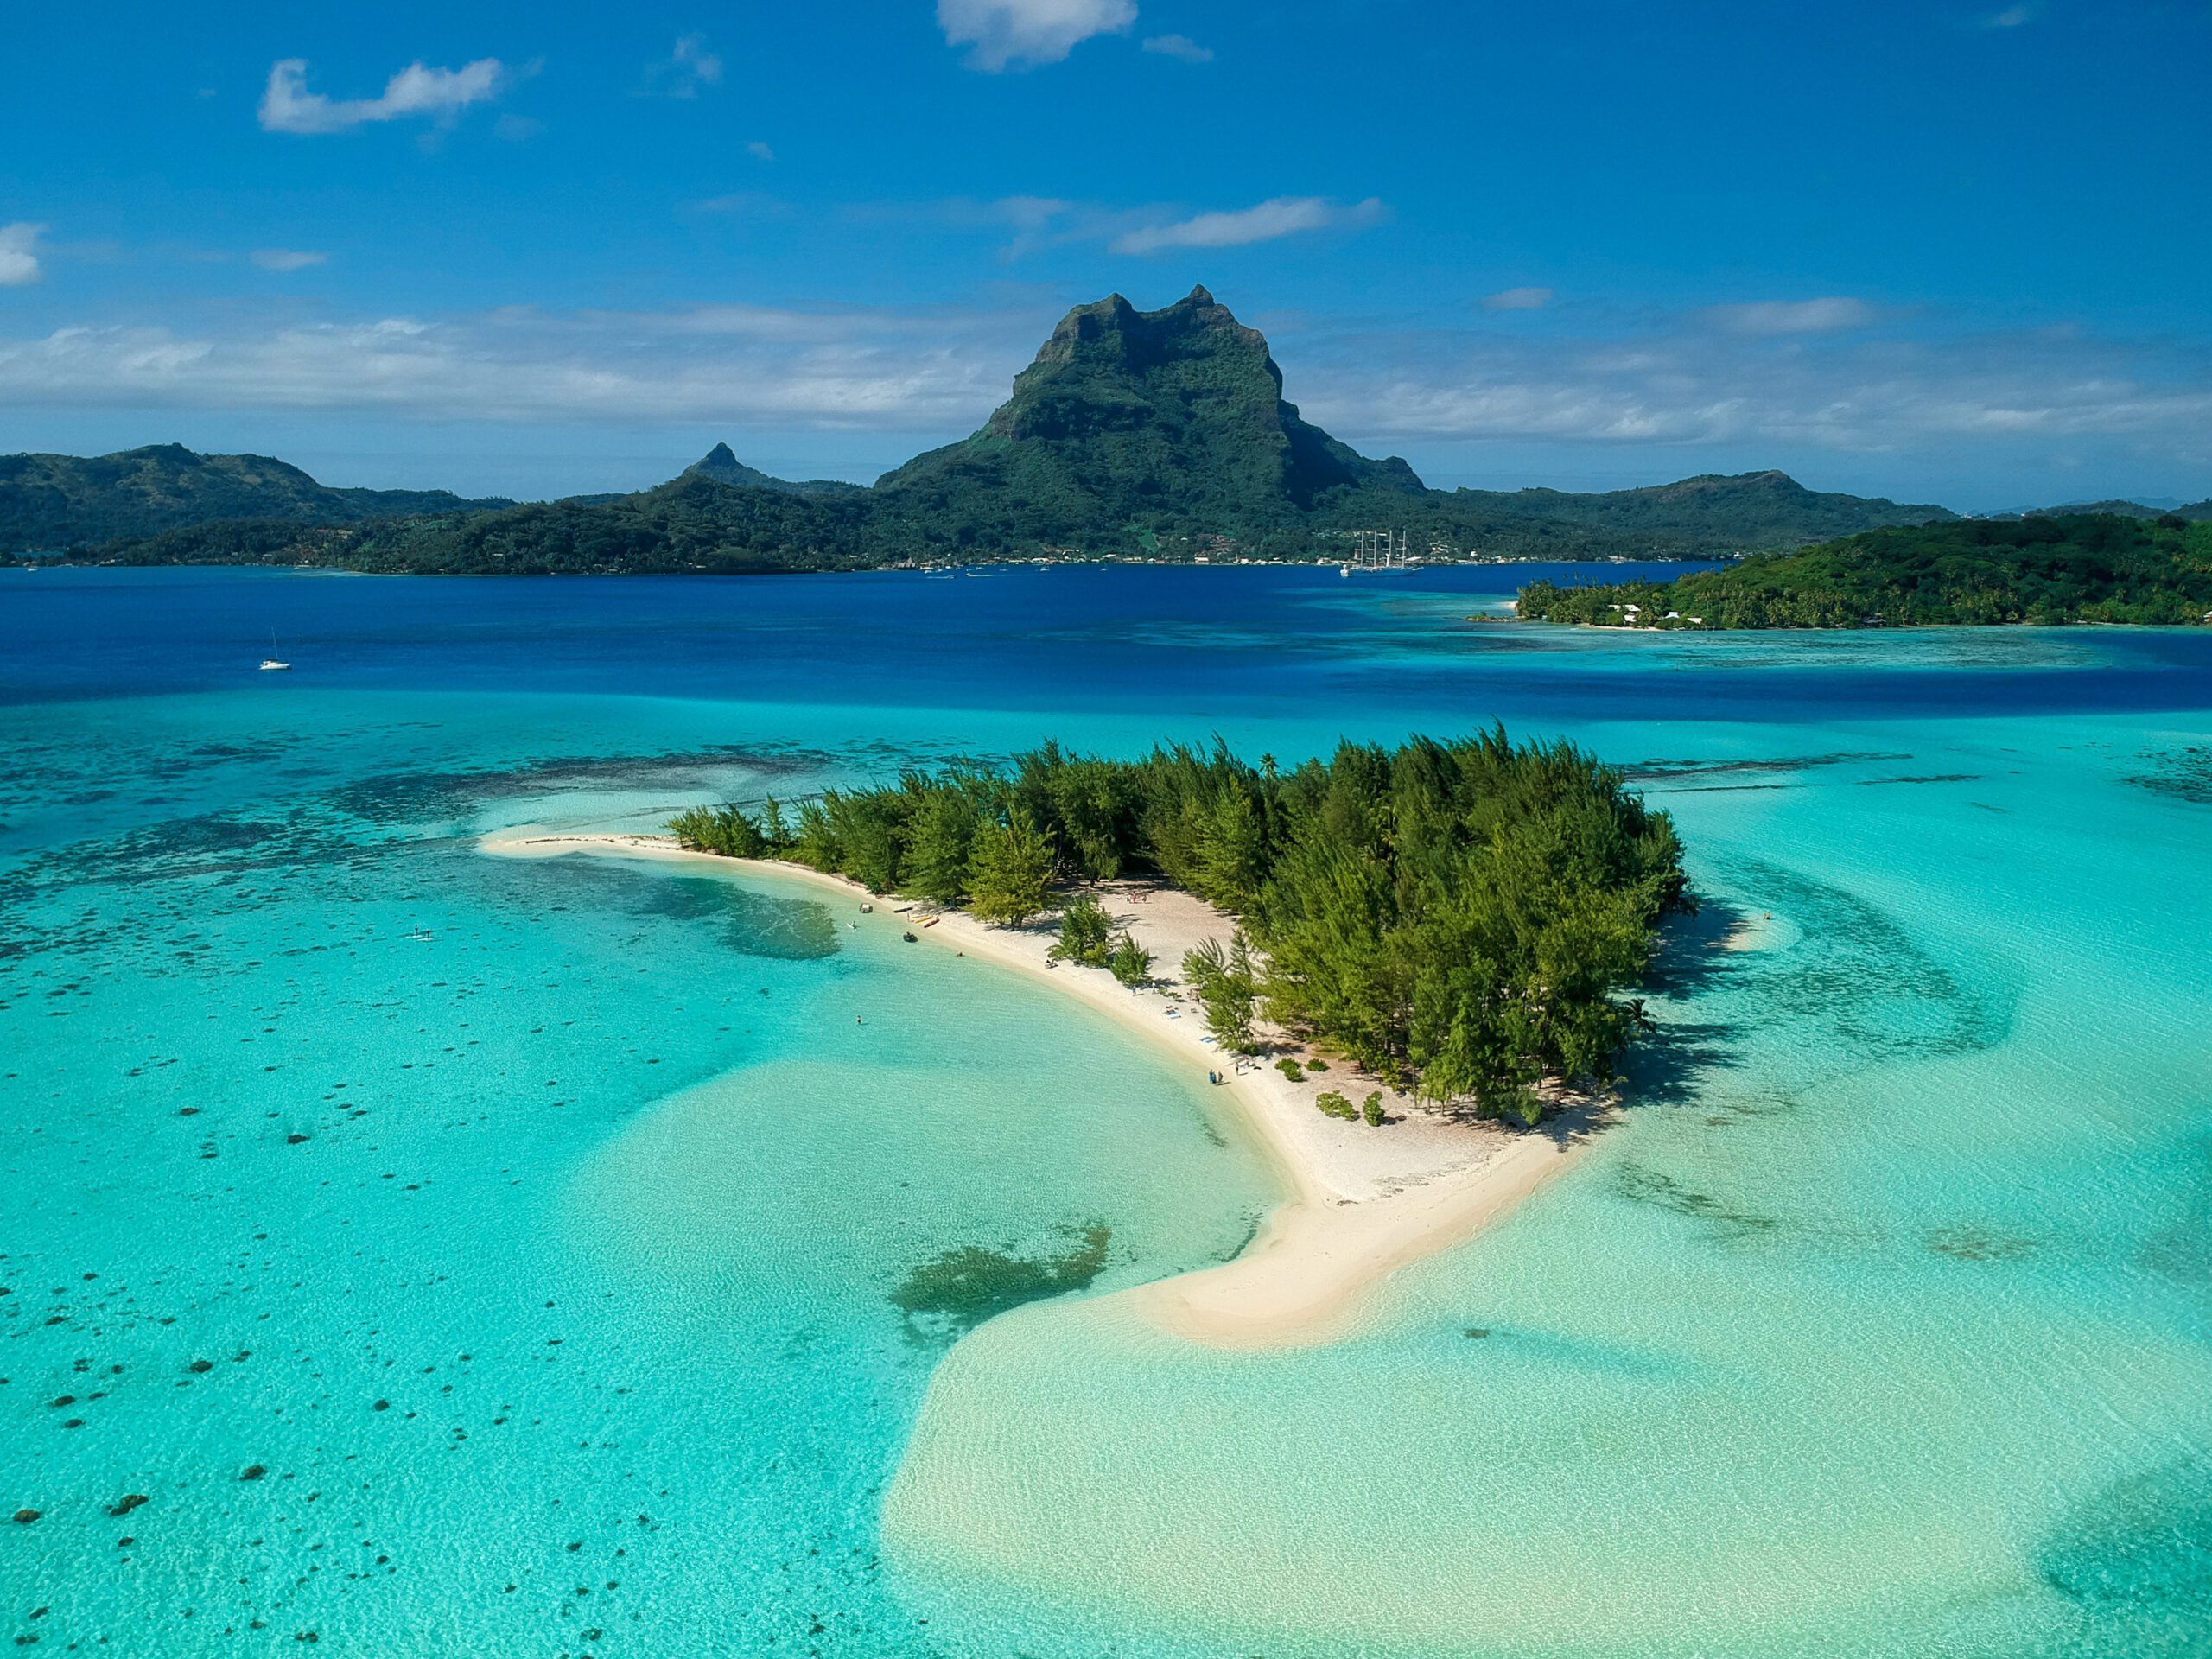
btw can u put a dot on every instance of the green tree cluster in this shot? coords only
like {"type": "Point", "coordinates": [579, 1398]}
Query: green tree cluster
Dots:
{"type": "Point", "coordinates": [724, 829]}
{"type": "Point", "coordinates": [1130, 962]}
{"type": "Point", "coordinates": [2042, 571]}
{"type": "Point", "coordinates": [1228, 989]}
{"type": "Point", "coordinates": [1453, 918]}
{"type": "Point", "coordinates": [1086, 933]}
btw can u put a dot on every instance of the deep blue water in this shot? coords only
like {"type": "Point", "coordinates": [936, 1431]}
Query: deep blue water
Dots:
{"type": "Point", "coordinates": [1182, 639]}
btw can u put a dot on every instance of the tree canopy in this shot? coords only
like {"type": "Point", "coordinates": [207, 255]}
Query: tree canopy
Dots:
{"type": "Point", "coordinates": [2042, 569]}
{"type": "Point", "coordinates": [1452, 916]}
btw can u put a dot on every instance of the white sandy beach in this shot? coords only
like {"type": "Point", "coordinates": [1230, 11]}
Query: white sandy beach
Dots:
{"type": "Point", "coordinates": [1360, 1201]}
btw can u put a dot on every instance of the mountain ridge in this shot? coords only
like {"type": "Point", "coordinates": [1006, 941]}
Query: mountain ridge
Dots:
{"type": "Point", "coordinates": [51, 500]}
{"type": "Point", "coordinates": [1130, 433]}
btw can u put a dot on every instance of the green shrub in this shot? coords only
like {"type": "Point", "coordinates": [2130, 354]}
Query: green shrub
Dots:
{"type": "Point", "coordinates": [1225, 983]}
{"type": "Point", "coordinates": [1290, 1069]}
{"type": "Point", "coordinates": [1130, 962]}
{"type": "Point", "coordinates": [727, 830]}
{"type": "Point", "coordinates": [1316, 1065]}
{"type": "Point", "coordinates": [1372, 1111]}
{"type": "Point", "coordinates": [1333, 1104]}
{"type": "Point", "coordinates": [1086, 934]}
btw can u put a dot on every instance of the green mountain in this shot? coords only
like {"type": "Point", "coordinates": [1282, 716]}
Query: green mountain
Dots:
{"type": "Point", "coordinates": [2039, 569]}
{"type": "Point", "coordinates": [1745, 511]}
{"type": "Point", "coordinates": [1132, 432]}
{"type": "Point", "coordinates": [59, 501]}
{"type": "Point", "coordinates": [1174, 420]}
{"type": "Point", "coordinates": [721, 465]}
{"type": "Point", "coordinates": [692, 522]}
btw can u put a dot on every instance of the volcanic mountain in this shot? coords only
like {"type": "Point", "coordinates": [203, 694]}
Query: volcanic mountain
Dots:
{"type": "Point", "coordinates": [1141, 416]}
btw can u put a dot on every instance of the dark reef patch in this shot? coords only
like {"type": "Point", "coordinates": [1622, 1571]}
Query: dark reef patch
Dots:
{"type": "Point", "coordinates": [1661, 770]}
{"type": "Point", "coordinates": [1964, 1242]}
{"type": "Point", "coordinates": [1641, 1185]}
{"type": "Point", "coordinates": [1864, 978]}
{"type": "Point", "coordinates": [2137, 1559]}
{"type": "Point", "coordinates": [960, 1288]}
{"type": "Point", "coordinates": [2184, 774]}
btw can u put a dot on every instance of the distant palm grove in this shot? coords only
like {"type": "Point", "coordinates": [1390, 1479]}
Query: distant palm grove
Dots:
{"type": "Point", "coordinates": [2045, 571]}
{"type": "Point", "coordinates": [1451, 916]}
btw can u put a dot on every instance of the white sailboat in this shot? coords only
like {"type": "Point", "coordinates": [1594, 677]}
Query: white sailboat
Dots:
{"type": "Point", "coordinates": [272, 662]}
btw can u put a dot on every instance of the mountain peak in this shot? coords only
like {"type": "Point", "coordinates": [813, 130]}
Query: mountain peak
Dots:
{"type": "Point", "coordinates": [720, 463]}
{"type": "Point", "coordinates": [1128, 411]}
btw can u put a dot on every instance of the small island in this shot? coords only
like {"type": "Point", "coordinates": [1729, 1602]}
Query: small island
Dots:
{"type": "Point", "coordinates": [1449, 919]}
{"type": "Point", "coordinates": [1402, 964]}
{"type": "Point", "coordinates": [2040, 570]}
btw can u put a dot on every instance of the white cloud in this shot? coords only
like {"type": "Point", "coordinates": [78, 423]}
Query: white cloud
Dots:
{"type": "Point", "coordinates": [1760, 395]}
{"type": "Point", "coordinates": [1819, 316]}
{"type": "Point", "coordinates": [287, 107]}
{"type": "Point", "coordinates": [688, 68]}
{"type": "Point", "coordinates": [759, 150]}
{"type": "Point", "coordinates": [19, 263]}
{"type": "Point", "coordinates": [1179, 46]}
{"type": "Point", "coordinates": [1281, 216]}
{"type": "Point", "coordinates": [1517, 299]}
{"type": "Point", "coordinates": [287, 258]}
{"type": "Point", "coordinates": [2012, 17]}
{"type": "Point", "coordinates": [738, 364]}
{"type": "Point", "coordinates": [1004, 32]}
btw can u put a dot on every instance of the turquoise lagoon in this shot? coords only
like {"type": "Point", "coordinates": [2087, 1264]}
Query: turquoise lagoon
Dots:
{"type": "Point", "coordinates": [601, 1258]}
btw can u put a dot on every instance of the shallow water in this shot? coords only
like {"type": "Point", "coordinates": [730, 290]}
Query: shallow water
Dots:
{"type": "Point", "coordinates": [658, 1209]}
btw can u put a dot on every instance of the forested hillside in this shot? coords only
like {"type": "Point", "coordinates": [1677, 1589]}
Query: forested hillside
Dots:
{"type": "Point", "coordinates": [54, 502]}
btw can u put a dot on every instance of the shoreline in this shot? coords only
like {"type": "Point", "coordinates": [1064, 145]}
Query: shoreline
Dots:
{"type": "Point", "coordinates": [1359, 1203]}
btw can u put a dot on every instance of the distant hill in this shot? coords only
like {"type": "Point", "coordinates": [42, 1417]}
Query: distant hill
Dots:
{"type": "Point", "coordinates": [2037, 570]}
{"type": "Point", "coordinates": [721, 465]}
{"type": "Point", "coordinates": [1160, 433]}
{"type": "Point", "coordinates": [61, 501]}
{"type": "Point", "coordinates": [2195, 512]}
{"type": "Point", "coordinates": [692, 522]}
{"type": "Point", "coordinates": [1750, 510]}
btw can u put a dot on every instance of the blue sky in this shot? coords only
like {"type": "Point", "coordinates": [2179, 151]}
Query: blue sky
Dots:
{"type": "Point", "coordinates": [1954, 253]}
